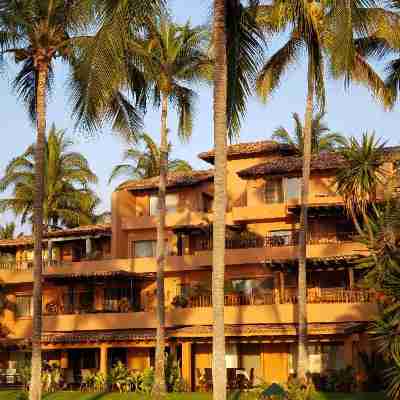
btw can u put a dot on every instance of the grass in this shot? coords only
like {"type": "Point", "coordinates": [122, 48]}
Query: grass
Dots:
{"type": "Point", "coordinates": [13, 394]}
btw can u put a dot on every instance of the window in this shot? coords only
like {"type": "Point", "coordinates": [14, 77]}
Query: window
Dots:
{"type": "Point", "coordinates": [144, 248]}
{"type": "Point", "coordinates": [171, 202]}
{"type": "Point", "coordinates": [282, 238]}
{"type": "Point", "coordinates": [24, 306]}
{"type": "Point", "coordinates": [273, 191]}
{"type": "Point", "coordinates": [113, 297]}
{"type": "Point", "coordinates": [207, 202]}
{"type": "Point", "coordinates": [293, 186]}
{"type": "Point", "coordinates": [250, 286]}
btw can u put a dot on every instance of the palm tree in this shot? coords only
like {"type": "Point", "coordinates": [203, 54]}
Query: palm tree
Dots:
{"type": "Point", "coordinates": [311, 31]}
{"type": "Point", "coordinates": [171, 58]}
{"type": "Point", "coordinates": [146, 163]}
{"type": "Point", "coordinates": [7, 231]}
{"type": "Point", "coordinates": [322, 139]}
{"type": "Point", "coordinates": [237, 52]}
{"type": "Point", "coordinates": [68, 199]}
{"type": "Point", "coordinates": [33, 34]}
{"type": "Point", "coordinates": [363, 171]}
{"type": "Point", "coordinates": [382, 266]}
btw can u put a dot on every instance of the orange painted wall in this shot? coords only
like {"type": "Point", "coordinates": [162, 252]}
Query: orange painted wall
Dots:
{"type": "Point", "coordinates": [138, 358]}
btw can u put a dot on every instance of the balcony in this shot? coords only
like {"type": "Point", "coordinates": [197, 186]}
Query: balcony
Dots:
{"type": "Point", "coordinates": [335, 305]}
{"type": "Point", "coordinates": [239, 251]}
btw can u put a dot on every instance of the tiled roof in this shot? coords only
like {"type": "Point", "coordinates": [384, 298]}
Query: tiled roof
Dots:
{"type": "Point", "coordinates": [174, 179]}
{"type": "Point", "coordinates": [78, 231]}
{"type": "Point", "coordinates": [251, 149]}
{"type": "Point", "coordinates": [321, 162]}
{"type": "Point", "coordinates": [283, 165]}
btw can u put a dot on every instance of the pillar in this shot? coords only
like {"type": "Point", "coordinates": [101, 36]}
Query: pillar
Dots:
{"type": "Point", "coordinates": [187, 364]}
{"type": "Point", "coordinates": [351, 277]}
{"type": "Point", "coordinates": [348, 351]}
{"type": "Point", "coordinates": [282, 286]}
{"type": "Point", "coordinates": [49, 251]}
{"type": "Point", "coordinates": [103, 359]}
{"type": "Point", "coordinates": [88, 246]}
{"type": "Point", "coordinates": [64, 360]}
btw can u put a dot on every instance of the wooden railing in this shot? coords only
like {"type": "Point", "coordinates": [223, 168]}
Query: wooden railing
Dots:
{"type": "Point", "coordinates": [314, 296]}
{"type": "Point", "coordinates": [15, 266]}
{"type": "Point", "coordinates": [274, 240]}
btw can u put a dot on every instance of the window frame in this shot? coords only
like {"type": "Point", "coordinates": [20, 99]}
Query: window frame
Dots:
{"type": "Point", "coordinates": [153, 208]}
{"type": "Point", "coordinates": [30, 313]}
{"type": "Point", "coordinates": [278, 194]}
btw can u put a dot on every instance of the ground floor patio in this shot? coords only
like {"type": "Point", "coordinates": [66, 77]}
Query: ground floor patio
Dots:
{"type": "Point", "coordinates": [254, 353]}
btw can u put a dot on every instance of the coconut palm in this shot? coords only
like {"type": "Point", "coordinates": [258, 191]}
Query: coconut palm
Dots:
{"type": "Point", "coordinates": [146, 163]}
{"type": "Point", "coordinates": [7, 231]}
{"type": "Point", "coordinates": [171, 58]}
{"type": "Point", "coordinates": [237, 52]}
{"type": "Point", "coordinates": [322, 139]}
{"type": "Point", "coordinates": [68, 199]}
{"type": "Point", "coordinates": [33, 35]}
{"type": "Point", "coordinates": [312, 31]}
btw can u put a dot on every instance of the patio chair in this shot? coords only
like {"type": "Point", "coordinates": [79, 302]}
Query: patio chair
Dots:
{"type": "Point", "coordinates": [208, 378]}
{"type": "Point", "coordinates": [231, 378]}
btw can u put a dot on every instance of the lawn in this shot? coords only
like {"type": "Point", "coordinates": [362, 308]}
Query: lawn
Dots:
{"type": "Point", "coordinates": [12, 395]}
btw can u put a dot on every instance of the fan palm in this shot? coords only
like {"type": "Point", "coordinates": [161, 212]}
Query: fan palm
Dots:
{"type": "Point", "coordinates": [68, 200]}
{"type": "Point", "coordinates": [237, 52]}
{"type": "Point", "coordinates": [33, 34]}
{"type": "Point", "coordinates": [311, 32]}
{"type": "Point", "coordinates": [146, 163]}
{"type": "Point", "coordinates": [322, 139]}
{"type": "Point", "coordinates": [358, 179]}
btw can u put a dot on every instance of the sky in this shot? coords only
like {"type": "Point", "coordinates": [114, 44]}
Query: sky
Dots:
{"type": "Point", "coordinates": [350, 112]}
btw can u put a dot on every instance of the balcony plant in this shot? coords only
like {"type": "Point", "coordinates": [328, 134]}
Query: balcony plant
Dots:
{"type": "Point", "coordinates": [124, 305]}
{"type": "Point", "coordinates": [180, 301]}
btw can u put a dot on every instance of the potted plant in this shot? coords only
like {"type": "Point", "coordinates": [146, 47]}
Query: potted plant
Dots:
{"type": "Point", "coordinates": [180, 301]}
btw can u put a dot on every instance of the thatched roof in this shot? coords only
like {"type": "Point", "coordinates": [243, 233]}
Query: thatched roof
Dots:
{"type": "Point", "coordinates": [251, 149]}
{"type": "Point", "coordinates": [174, 179]}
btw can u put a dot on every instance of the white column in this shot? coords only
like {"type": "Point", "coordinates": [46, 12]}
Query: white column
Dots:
{"type": "Point", "coordinates": [88, 246]}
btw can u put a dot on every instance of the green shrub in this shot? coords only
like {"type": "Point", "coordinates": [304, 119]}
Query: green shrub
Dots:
{"type": "Point", "coordinates": [147, 381]}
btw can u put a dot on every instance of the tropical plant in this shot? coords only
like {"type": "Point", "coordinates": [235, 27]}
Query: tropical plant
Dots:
{"type": "Point", "coordinates": [147, 381]}
{"type": "Point", "coordinates": [34, 34]}
{"type": "Point", "coordinates": [382, 238]}
{"type": "Point", "coordinates": [118, 377]}
{"type": "Point", "coordinates": [357, 180]}
{"type": "Point", "coordinates": [322, 139]}
{"type": "Point", "coordinates": [237, 51]}
{"type": "Point", "coordinates": [68, 199]}
{"type": "Point", "coordinates": [171, 57]}
{"type": "Point", "coordinates": [314, 30]}
{"type": "Point", "coordinates": [7, 231]}
{"type": "Point", "coordinates": [146, 163]}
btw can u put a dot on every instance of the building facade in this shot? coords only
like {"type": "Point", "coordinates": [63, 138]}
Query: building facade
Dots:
{"type": "Point", "coordinates": [99, 281]}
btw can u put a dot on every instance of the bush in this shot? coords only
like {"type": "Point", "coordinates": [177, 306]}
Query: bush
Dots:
{"type": "Point", "coordinates": [147, 381]}
{"type": "Point", "coordinates": [342, 380]}
{"type": "Point", "coordinates": [173, 378]}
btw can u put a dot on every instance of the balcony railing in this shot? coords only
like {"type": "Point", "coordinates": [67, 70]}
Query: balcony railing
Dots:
{"type": "Point", "coordinates": [274, 240]}
{"type": "Point", "coordinates": [290, 296]}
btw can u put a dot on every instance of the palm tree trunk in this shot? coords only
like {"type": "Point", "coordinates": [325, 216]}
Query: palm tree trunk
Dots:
{"type": "Point", "coordinates": [36, 381]}
{"type": "Point", "coordinates": [159, 385]}
{"type": "Point", "coordinates": [302, 364]}
{"type": "Point", "coordinates": [220, 148]}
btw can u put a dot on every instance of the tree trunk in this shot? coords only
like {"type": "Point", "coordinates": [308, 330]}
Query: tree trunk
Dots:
{"type": "Point", "coordinates": [159, 389]}
{"type": "Point", "coordinates": [302, 364]}
{"type": "Point", "coordinates": [220, 200]}
{"type": "Point", "coordinates": [36, 367]}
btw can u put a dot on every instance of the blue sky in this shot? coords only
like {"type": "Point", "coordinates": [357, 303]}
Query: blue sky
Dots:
{"type": "Point", "coordinates": [350, 112]}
